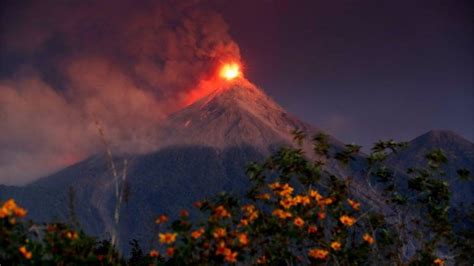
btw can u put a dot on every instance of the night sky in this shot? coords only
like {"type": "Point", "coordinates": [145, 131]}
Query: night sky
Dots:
{"type": "Point", "coordinates": [361, 70]}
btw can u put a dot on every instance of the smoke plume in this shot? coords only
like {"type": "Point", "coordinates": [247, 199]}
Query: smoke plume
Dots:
{"type": "Point", "coordinates": [124, 64]}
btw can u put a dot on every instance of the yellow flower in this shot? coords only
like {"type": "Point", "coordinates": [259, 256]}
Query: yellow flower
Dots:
{"type": "Point", "coordinates": [219, 232]}
{"type": "Point", "coordinates": [19, 212]}
{"type": "Point", "coordinates": [317, 253]}
{"type": "Point", "coordinates": [287, 203]}
{"type": "Point", "coordinates": [327, 201]}
{"type": "Point", "coordinates": [315, 194]}
{"type": "Point", "coordinates": [197, 233]}
{"type": "Point", "coordinates": [281, 214]}
{"type": "Point", "coordinates": [336, 245]}
{"type": "Point", "coordinates": [438, 262]}
{"type": "Point", "coordinates": [10, 204]}
{"type": "Point", "coordinates": [275, 186]}
{"type": "Point", "coordinates": [368, 238]}
{"type": "Point", "coordinates": [347, 220]}
{"type": "Point", "coordinates": [303, 200]}
{"type": "Point", "coordinates": [220, 211]}
{"type": "Point", "coordinates": [286, 190]}
{"type": "Point", "coordinates": [298, 222]}
{"type": "Point", "coordinates": [249, 208]}
{"type": "Point", "coordinates": [161, 219]}
{"type": "Point", "coordinates": [354, 204]}
{"type": "Point", "coordinates": [243, 239]}
{"type": "Point", "coordinates": [26, 254]}
{"type": "Point", "coordinates": [167, 238]}
{"type": "Point", "coordinates": [72, 235]}
{"type": "Point", "coordinates": [3, 212]}
{"type": "Point", "coordinates": [154, 253]}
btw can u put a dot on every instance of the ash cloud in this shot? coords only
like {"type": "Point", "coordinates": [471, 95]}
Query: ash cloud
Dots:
{"type": "Point", "coordinates": [126, 64]}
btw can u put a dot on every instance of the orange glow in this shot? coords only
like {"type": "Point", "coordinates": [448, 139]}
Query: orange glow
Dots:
{"type": "Point", "coordinates": [230, 71]}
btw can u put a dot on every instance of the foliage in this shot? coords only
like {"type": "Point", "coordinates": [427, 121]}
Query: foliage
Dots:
{"type": "Point", "coordinates": [296, 211]}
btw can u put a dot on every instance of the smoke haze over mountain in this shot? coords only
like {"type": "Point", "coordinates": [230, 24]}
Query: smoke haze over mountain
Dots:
{"type": "Point", "coordinates": [126, 65]}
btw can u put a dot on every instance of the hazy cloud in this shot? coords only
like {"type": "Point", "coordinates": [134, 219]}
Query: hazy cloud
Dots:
{"type": "Point", "coordinates": [126, 64]}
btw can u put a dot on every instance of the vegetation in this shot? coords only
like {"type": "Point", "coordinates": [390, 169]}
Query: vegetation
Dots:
{"type": "Point", "coordinates": [297, 211]}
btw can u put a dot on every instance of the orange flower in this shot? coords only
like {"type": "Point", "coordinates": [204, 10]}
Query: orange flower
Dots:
{"type": "Point", "coordinates": [26, 254]}
{"type": "Point", "coordinates": [321, 215]}
{"type": "Point", "coordinates": [275, 186]}
{"type": "Point", "coordinates": [184, 213]}
{"type": "Point", "coordinates": [222, 249]}
{"type": "Point", "coordinates": [197, 204]}
{"type": "Point", "coordinates": [317, 253]}
{"type": "Point", "coordinates": [312, 229]}
{"type": "Point", "coordinates": [170, 251]}
{"type": "Point", "coordinates": [244, 222]}
{"type": "Point", "coordinates": [10, 204]}
{"type": "Point", "coordinates": [154, 253]}
{"type": "Point", "coordinates": [167, 238]}
{"type": "Point", "coordinates": [249, 208]}
{"type": "Point", "coordinates": [336, 245]}
{"type": "Point", "coordinates": [161, 219]}
{"type": "Point", "coordinates": [231, 256]}
{"type": "Point", "coordinates": [347, 220]}
{"type": "Point", "coordinates": [197, 233]}
{"type": "Point", "coordinates": [368, 238]}
{"type": "Point", "coordinates": [262, 260]}
{"type": "Point", "coordinates": [327, 201]}
{"type": "Point", "coordinates": [19, 212]}
{"type": "Point", "coordinates": [354, 204]}
{"type": "Point", "coordinates": [298, 222]}
{"type": "Point", "coordinates": [315, 194]}
{"type": "Point", "coordinates": [72, 235]}
{"type": "Point", "coordinates": [253, 216]}
{"type": "Point", "coordinates": [286, 190]}
{"type": "Point", "coordinates": [287, 203]}
{"type": "Point", "coordinates": [243, 239]}
{"type": "Point", "coordinates": [3, 212]}
{"type": "Point", "coordinates": [219, 232]}
{"type": "Point", "coordinates": [220, 211]}
{"type": "Point", "coordinates": [264, 196]}
{"type": "Point", "coordinates": [438, 262]}
{"type": "Point", "coordinates": [281, 214]}
{"type": "Point", "coordinates": [303, 200]}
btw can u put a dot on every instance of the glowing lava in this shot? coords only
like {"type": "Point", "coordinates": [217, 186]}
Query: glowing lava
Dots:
{"type": "Point", "coordinates": [230, 71]}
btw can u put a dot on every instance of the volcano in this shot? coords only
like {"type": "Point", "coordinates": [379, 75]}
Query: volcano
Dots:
{"type": "Point", "coordinates": [205, 148]}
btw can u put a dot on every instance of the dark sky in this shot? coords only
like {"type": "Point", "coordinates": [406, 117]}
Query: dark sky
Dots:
{"type": "Point", "coordinates": [363, 70]}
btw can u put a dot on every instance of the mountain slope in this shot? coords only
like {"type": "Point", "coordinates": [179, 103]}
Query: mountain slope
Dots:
{"type": "Point", "coordinates": [237, 114]}
{"type": "Point", "coordinates": [460, 154]}
{"type": "Point", "coordinates": [206, 147]}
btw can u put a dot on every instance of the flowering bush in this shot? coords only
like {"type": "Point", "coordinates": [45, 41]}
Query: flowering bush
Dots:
{"type": "Point", "coordinates": [299, 212]}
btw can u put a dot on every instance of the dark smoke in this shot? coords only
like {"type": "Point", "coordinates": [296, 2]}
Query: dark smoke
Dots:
{"type": "Point", "coordinates": [126, 64]}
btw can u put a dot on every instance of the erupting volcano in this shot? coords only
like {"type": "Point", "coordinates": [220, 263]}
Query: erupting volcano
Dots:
{"type": "Point", "coordinates": [230, 71]}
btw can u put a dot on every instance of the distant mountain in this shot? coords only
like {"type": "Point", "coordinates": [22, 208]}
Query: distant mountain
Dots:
{"type": "Point", "coordinates": [460, 154]}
